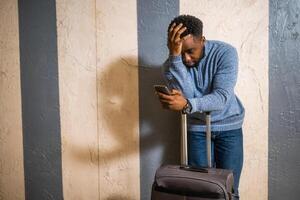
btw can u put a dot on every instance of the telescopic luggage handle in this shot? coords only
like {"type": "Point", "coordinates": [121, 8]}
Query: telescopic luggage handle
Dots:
{"type": "Point", "coordinates": [184, 152]}
{"type": "Point", "coordinates": [208, 138]}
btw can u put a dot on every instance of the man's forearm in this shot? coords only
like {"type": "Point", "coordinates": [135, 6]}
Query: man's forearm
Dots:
{"type": "Point", "coordinates": [210, 102]}
{"type": "Point", "coordinates": [177, 76]}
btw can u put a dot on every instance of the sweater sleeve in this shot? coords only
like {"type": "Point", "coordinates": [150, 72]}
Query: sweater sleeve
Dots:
{"type": "Point", "coordinates": [223, 84]}
{"type": "Point", "coordinates": [177, 76]}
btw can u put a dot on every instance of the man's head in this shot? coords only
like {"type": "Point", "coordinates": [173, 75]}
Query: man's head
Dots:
{"type": "Point", "coordinates": [192, 47]}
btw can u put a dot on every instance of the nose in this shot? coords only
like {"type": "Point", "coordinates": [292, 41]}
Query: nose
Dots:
{"type": "Point", "coordinates": [187, 57]}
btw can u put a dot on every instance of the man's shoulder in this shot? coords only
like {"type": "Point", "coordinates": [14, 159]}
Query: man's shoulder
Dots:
{"type": "Point", "coordinates": [220, 45]}
{"type": "Point", "coordinates": [219, 48]}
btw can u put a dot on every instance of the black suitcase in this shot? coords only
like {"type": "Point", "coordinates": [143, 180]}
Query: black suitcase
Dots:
{"type": "Point", "coordinates": [183, 182]}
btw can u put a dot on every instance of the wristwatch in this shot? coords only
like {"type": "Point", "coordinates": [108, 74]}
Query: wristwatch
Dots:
{"type": "Point", "coordinates": [187, 109]}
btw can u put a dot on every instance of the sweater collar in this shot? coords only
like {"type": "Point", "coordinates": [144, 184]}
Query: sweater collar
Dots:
{"type": "Point", "coordinates": [207, 47]}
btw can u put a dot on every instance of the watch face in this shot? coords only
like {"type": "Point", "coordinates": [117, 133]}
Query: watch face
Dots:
{"type": "Point", "coordinates": [187, 109]}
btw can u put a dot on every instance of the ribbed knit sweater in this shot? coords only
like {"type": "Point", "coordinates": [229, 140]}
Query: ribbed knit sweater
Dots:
{"type": "Point", "coordinates": [209, 86]}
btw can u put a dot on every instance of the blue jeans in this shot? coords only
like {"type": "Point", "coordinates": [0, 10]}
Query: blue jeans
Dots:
{"type": "Point", "coordinates": [227, 152]}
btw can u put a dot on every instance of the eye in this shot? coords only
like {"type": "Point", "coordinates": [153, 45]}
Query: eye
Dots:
{"type": "Point", "coordinates": [190, 51]}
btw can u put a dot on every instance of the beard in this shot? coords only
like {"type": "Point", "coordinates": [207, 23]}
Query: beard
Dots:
{"type": "Point", "coordinates": [192, 65]}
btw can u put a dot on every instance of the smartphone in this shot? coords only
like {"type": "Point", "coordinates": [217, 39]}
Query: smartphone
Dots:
{"type": "Point", "coordinates": [162, 89]}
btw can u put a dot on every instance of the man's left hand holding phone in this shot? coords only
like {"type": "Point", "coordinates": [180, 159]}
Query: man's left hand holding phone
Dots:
{"type": "Point", "coordinates": [170, 99]}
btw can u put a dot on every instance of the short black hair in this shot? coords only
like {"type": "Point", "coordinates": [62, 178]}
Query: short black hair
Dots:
{"type": "Point", "coordinates": [194, 26]}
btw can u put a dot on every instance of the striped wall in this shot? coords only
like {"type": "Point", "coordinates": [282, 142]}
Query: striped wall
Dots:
{"type": "Point", "coordinates": [79, 119]}
{"type": "Point", "coordinates": [40, 100]}
{"type": "Point", "coordinates": [99, 99]}
{"type": "Point", "coordinates": [11, 140]}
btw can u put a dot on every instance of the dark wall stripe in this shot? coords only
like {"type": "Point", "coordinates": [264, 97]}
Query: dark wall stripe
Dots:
{"type": "Point", "coordinates": [40, 100]}
{"type": "Point", "coordinates": [159, 129]}
{"type": "Point", "coordinates": [284, 100]}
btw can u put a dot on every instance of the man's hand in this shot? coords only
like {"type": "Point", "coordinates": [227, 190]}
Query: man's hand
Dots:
{"type": "Point", "coordinates": [175, 101]}
{"type": "Point", "coordinates": [174, 40]}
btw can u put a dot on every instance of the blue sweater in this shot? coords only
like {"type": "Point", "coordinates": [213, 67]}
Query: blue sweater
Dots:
{"type": "Point", "coordinates": [209, 87]}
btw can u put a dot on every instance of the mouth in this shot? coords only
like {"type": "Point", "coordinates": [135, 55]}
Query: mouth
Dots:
{"type": "Point", "coordinates": [189, 64]}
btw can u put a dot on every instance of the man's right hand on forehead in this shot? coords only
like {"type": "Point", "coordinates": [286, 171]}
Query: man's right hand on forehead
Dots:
{"type": "Point", "coordinates": [174, 39]}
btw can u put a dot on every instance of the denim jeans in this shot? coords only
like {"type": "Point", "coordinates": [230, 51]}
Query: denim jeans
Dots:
{"type": "Point", "coordinates": [227, 152]}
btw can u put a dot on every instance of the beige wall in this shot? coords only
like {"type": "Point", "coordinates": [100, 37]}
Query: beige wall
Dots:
{"type": "Point", "coordinates": [78, 98]}
{"type": "Point", "coordinates": [245, 25]}
{"type": "Point", "coordinates": [11, 147]}
{"type": "Point", "coordinates": [118, 99]}
{"type": "Point", "coordinates": [98, 98]}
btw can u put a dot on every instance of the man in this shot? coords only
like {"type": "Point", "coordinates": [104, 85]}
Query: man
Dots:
{"type": "Point", "coordinates": [202, 75]}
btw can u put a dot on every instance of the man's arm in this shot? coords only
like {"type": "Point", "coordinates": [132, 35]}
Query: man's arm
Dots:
{"type": "Point", "coordinates": [222, 86]}
{"type": "Point", "coordinates": [177, 77]}
{"type": "Point", "coordinates": [175, 72]}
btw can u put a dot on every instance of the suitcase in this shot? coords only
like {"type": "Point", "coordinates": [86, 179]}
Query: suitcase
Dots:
{"type": "Point", "coordinates": [184, 182]}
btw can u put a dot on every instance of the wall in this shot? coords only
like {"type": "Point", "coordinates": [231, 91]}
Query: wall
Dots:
{"type": "Point", "coordinates": [82, 122]}
{"type": "Point", "coordinates": [117, 75]}
{"type": "Point", "coordinates": [159, 128]}
{"type": "Point", "coordinates": [116, 63]}
{"type": "Point", "coordinates": [76, 37]}
{"type": "Point", "coordinates": [284, 112]}
{"type": "Point", "coordinates": [99, 102]}
{"type": "Point", "coordinates": [11, 144]}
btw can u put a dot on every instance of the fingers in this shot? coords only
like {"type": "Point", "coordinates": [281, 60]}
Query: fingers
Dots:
{"type": "Point", "coordinates": [175, 30]}
{"type": "Point", "coordinates": [174, 40]}
{"type": "Point", "coordinates": [176, 92]}
{"type": "Point", "coordinates": [167, 102]}
{"type": "Point", "coordinates": [178, 34]}
{"type": "Point", "coordinates": [171, 31]}
{"type": "Point", "coordinates": [172, 102]}
{"type": "Point", "coordinates": [169, 97]}
{"type": "Point", "coordinates": [175, 33]}
{"type": "Point", "coordinates": [164, 96]}
{"type": "Point", "coordinates": [171, 28]}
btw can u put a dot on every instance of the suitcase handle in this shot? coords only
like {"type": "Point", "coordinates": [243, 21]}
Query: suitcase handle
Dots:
{"type": "Point", "coordinates": [194, 169]}
{"type": "Point", "coordinates": [184, 153]}
{"type": "Point", "coordinates": [208, 139]}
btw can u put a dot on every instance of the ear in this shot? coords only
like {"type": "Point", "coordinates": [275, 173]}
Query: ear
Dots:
{"type": "Point", "coordinates": [202, 40]}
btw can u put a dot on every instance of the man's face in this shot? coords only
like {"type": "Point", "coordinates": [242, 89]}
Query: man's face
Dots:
{"type": "Point", "coordinates": [192, 51]}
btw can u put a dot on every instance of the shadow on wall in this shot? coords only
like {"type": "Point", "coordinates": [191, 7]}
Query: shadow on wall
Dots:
{"type": "Point", "coordinates": [118, 111]}
{"type": "Point", "coordinates": [120, 106]}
